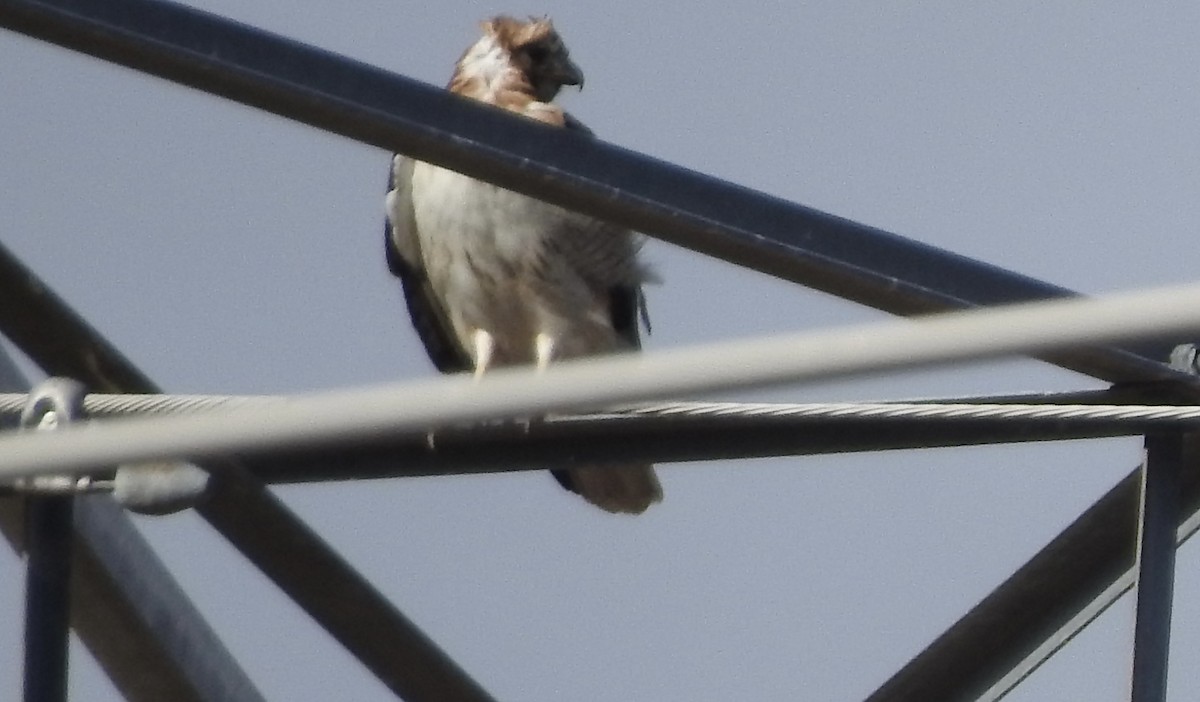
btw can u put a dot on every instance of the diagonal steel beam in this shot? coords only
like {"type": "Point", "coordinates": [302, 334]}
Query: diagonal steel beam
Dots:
{"type": "Point", "coordinates": [1034, 603]}
{"type": "Point", "coordinates": [250, 517]}
{"type": "Point", "coordinates": [742, 226]}
{"type": "Point", "coordinates": [362, 102]}
{"type": "Point", "coordinates": [128, 610]}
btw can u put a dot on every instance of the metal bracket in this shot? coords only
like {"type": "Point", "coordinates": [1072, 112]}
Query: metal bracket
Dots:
{"type": "Point", "coordinates": [49, 531]}
{"type": "Point", "coordinates": [52, 403]}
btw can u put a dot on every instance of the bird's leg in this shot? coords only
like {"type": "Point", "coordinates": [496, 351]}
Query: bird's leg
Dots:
{"type": "Point", "coordinates": [484, 344]}
{"type": "Point", "coordinates": [543, 345]}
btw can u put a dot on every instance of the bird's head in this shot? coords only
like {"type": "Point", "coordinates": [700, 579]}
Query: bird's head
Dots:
{"type": "Point", "coordinates": [534, 48]}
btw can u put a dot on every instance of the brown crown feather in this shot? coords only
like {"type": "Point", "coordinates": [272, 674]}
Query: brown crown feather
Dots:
{"type": "Point", "coordinates": [511, 33]}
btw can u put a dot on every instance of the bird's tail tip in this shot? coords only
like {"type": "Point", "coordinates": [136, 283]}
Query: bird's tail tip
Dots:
{"type": "Point", "coordinates": [616, 489]}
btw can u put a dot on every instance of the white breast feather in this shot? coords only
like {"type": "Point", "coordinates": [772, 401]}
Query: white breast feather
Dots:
{"type": "Point", "coordinates": [516, 267]}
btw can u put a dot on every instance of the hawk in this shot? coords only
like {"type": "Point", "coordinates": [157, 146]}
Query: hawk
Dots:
{"type": "Point", "coordinates": [493, 278]}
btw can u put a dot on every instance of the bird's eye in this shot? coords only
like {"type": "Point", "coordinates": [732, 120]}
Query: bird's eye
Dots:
{"type": "Point", "coordinates": [537, 53]}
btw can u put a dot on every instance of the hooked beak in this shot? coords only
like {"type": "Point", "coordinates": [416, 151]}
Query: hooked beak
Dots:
{"type": "Point", "coordinates": [567, 73]}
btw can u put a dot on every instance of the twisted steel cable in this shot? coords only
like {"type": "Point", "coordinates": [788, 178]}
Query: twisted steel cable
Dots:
{"type": "Point", "coordinates": [101, 405]}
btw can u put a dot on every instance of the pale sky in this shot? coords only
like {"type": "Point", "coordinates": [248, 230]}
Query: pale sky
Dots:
{"type": "Point", "coordinates": [225, 250]}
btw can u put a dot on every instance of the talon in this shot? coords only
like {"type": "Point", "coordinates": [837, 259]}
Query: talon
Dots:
{"type": "Point", "coordinates": [484, 344]}
{"type": "Point", "coordinates": [544, 350]}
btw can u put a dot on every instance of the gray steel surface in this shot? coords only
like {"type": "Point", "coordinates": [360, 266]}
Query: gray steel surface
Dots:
{"type": "Point", "coordinates": [1156, 566]}
{"type": "Point", "coordinates": [49, 534]}
{"type": "Point", "coordinates": [294, 557]}
{"type": "Point", "coordinates": [738, 225]}
{"type": "Point", "coordinates": [706, 214]}
{"type": "Point", "coordinates": [126, 607]}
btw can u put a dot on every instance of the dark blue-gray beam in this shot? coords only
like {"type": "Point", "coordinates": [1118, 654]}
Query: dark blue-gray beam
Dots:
{"type": "Point", "coordinates": [306, 568]}
{"type": "Point", "coordinates": [126, 607]}
{"type": "Point", "coordinates": [1156, 565]}
{"type": "Point", "coordinates": [620, 438]}
{"type": "Point", "coordinates": [49, 535]}
{"type": "Point", "coordinates": [738, 225]}
{"type": "Point", "coordinates": [693, 210]}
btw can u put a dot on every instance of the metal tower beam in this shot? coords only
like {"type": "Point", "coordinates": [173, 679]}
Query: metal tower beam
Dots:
{"type": "Point", "coordinates": [1038, 601]}
{"type": "Point", "coordinates": [128, 610]}
{"type": "Point", "coordinates": [616, 439]}
{"type": "Point", "coordinates": [342, 417]}
{"type": "Point", "coordinates": [49, 541]}
{"type": "Point", "coordinates": [708, 215]}
{"type": "Point", "coordinates": [678, 435]}
{"type": "Point", "coordinates": [745, 227]}
{"type": "Point", "coordinates": [1156, 565]}
{"type": "Point", "coordinates": [256, 522]}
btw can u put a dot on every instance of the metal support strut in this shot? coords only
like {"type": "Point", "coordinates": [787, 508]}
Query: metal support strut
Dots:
{"type": "Point", "coordinates": [48, 536]}
{"type": "Point", "coordinates": [1156, 565]}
